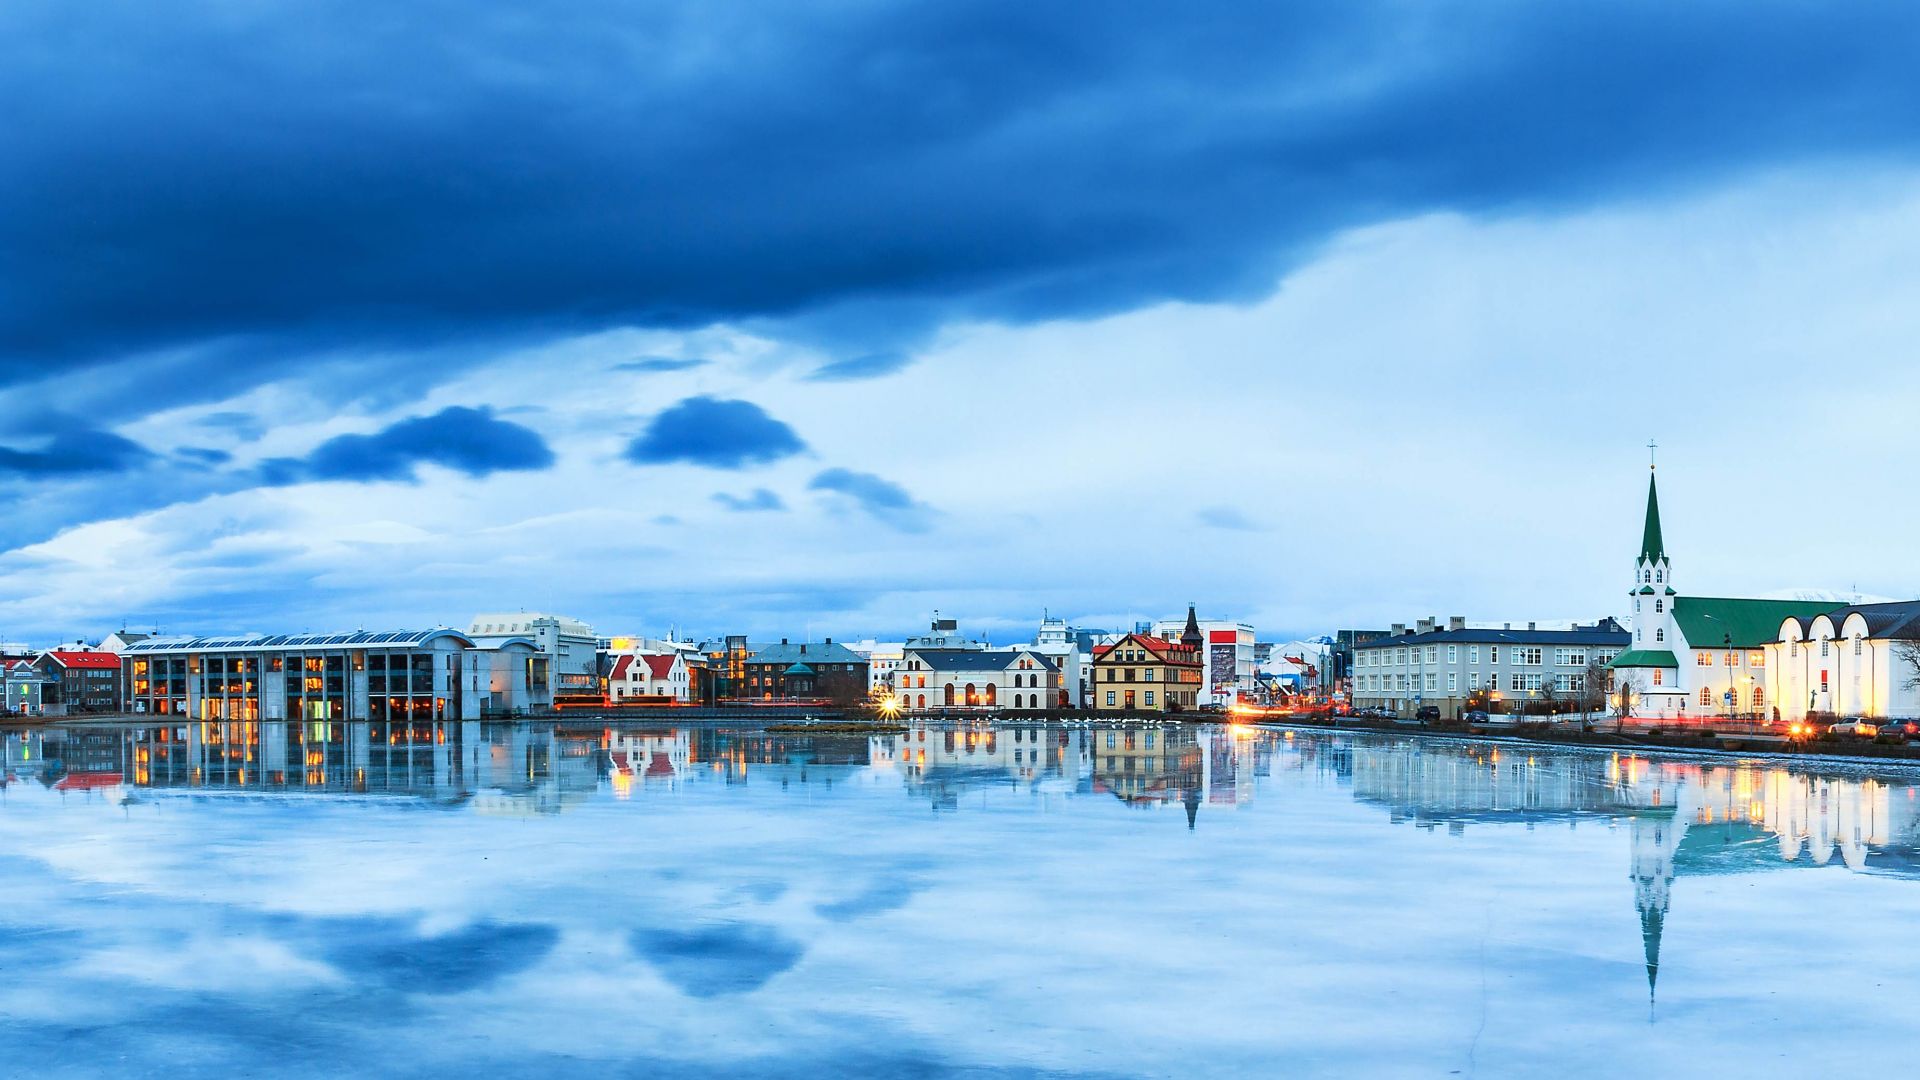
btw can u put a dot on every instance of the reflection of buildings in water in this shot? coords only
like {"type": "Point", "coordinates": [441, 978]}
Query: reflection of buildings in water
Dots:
{"type": "Point", "coordinates": [520, 769]}
{"type": "Point", "coordinates": [648, 758]}
{"type": "Point", "coordinates": [1683, 818]}
{"type": "Point", "coordinates": [940, 762]}
{"type": "Point", "coordinates": [501, 767]}
{"type": "Point", "coordinates": [743, 755]}
{"type": "Point", "coordinates": [1145, 766]}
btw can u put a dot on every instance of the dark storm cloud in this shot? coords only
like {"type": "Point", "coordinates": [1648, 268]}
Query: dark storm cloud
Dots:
{"type": "Point", "coordinates": [882, 498]}
{"type": "Point", "coordinates": [472, 441]}
{"type": "Point", "coordinates": [717, 433]}
{"type": "Point", "coordinates": [761, 500]}
{"type": "Point", "coordinates": [341, 174]}
{"type": "Point", "coordinates": [871, 366]}
{"type": "Point", "coordinates": [74, 452]}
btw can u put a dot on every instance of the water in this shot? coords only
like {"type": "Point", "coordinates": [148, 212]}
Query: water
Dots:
{"type": "Point", "coordinates": [1101, 900]}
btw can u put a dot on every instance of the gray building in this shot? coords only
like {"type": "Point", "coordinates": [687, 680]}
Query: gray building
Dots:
{"type": "Point", "coordinates": [1505, 669]}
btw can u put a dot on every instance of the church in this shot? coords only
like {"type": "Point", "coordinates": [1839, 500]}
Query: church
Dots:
{"type": "Point", "coordinates": [1697, 657]}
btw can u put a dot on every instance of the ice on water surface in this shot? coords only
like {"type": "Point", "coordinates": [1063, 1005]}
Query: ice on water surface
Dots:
{"type": "Point", "coordinates": [1167, 900]}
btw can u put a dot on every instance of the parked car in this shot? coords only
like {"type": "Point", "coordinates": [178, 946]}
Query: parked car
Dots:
{"type": "Point", "coordinates": [1900, 727]}
{"type": "Point", "coordinates": [1476, 716]}
{"type": "Point", "coordinates": [1427, 713]}
{"type": "Point", "coordinates": [1857, 726]}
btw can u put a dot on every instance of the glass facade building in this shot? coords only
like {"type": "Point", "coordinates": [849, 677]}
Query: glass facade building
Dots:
{"type": "Point", "coordinates": [393, 676]}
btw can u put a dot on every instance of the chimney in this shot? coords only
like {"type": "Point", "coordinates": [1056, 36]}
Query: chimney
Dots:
{"type": "Point", "coordinates": [1506, 626]}
{"type": "Point", "coordinates": [1456, 622]}
{"type": "Point", "coordinates": [1531, 626]}
{"type": "Point", "coordinates": [783, 641]}
{"type": "Point", "coordinates": [1425, 625]}
{"type": "Point", "coordinates": [1399, 628]}
{"type": "Point", "coordinates": [803, 648]}
{"type": "Point", "coordinates": [829, 641]}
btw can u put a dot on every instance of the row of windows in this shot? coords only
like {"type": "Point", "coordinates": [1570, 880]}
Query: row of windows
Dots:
{"type": "Point", "coordinates": [1525, 655]}
{"type": "Point", "coordinates": [1755, 658]}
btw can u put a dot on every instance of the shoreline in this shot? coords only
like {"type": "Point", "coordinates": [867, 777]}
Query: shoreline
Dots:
{"type": "Point", "coordinates": [1909, 761]}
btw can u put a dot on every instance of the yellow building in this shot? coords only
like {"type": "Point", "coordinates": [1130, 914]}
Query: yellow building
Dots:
{"type": "Point", "coordinates": [1141, 673]}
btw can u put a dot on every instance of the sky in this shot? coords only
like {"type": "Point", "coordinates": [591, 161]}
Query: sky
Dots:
{"type": "Point", "coordinates": [813, 319]}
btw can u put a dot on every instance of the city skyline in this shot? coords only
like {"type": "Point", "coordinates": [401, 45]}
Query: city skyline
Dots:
{"type": "Point", "coordinates": [1334, 316]}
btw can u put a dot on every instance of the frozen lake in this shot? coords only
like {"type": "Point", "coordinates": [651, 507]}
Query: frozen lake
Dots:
{"type": "Point", "coordinates": [335, 899]}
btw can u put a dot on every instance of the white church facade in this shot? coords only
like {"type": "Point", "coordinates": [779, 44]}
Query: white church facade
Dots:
{"type": "Point", "coordinates": [1698, 658]}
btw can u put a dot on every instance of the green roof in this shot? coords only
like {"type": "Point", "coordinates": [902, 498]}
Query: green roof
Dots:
{"type": "Point", "coordinates": [1707, 621]}
{"type": "Point", "coordinates": [1652, 547]}
{"type": "Point", "coordinates": [1645, 658]}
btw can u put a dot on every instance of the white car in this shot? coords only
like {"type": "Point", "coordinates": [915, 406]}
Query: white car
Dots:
{"type": "Point", "coordinates": [1855, 727]}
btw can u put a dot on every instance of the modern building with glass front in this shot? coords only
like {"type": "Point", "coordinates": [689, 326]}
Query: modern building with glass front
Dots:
{"type": "Point", "coordinates": [395, 675]}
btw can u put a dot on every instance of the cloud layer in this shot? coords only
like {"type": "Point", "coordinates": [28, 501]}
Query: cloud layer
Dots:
{"type": "Point", "coordinates": [453, 171]}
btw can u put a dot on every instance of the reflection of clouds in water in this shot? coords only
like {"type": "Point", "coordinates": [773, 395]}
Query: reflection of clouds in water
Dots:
{"type": "Point", "coordinates": [724, 958]}
{"type": "Point", "coordinates": [879, 897]}
{"type": "Point", "coordinates": [398, 958]}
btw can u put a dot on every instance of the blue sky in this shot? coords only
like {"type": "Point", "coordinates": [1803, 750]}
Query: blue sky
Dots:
{"type": "Point", "coordinates": [821, 317]}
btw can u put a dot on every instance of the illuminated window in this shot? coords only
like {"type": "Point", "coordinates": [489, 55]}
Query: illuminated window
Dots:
{"type": "Point", "coordinates": [1759, 698]}
{"type": "Point", "coordinates": [1706, 696]}
{"type": "Point", "coordinates": [1659, 677]}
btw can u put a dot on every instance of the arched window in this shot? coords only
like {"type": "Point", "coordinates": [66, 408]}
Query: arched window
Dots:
{"type": "Point", "coordinates": [972, 698]}
{"type": "Point", "coordinates": [1706, 696]}
{"type": "Point", "coordinates": [1823, 646]}
{"type": "Point", "coordinates": [1659, 606]}
{"type": "Point", "coordinates": [1856, 645]}
{"type": "Point", "coordinates": [1646, 577]}
{"type": "Point", "coordinates": [992, 694]}
{"type": "Point", "coordinates": [923, 701]}
{"type": "Point", "coordinates": [949, 700]}
{"type": "Point", "coordinates": [1660, 634]}
{"type": "Point", "coordinates": [1759, 698]}
{"type": "Point", "coordinates": [1660, 576]}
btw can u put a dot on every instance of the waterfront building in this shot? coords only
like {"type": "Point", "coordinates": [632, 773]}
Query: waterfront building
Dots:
{"type": "Point", "coordinates": [21, 688]}
{"type": "Point", "coordinates": [1142, 673]}
{"type": "Point", "coordinates": [1229, 656]}
{"type": "Point", "coordinates": [571, 648]}
{"type": "Point", "coordinates": [118, 641]}
{"type": "Point", "coordinates": [1860, 660]}
{"type": "Point", "coordinates": [655, 675]}
{"type": "Point", "coordinates": [805, 670]}
{"type": "Point", "coordinates": [883, 659]}
{"type": "Point", "coordinates": [1456, 667]}
{"type": "Point", "coordinates": [79, 680]}
{"type": "Point", "coordinates": [1071, 651]}
{"type": "Point", "coordinates": [1697, 657]}
{"type": "Point", "coordinates": [394, 675]}
{"type": "Point", "coordinates": [1020, 679]}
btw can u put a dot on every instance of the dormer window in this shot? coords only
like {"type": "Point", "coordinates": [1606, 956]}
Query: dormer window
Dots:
{"type": "Point", "coordinates": [1660, 576]}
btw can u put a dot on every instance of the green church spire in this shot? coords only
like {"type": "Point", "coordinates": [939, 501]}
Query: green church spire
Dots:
{"type": "Point", "coordinates": [1652, 548]}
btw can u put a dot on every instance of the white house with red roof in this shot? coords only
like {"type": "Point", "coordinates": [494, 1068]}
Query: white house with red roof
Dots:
{"type": "Point", "coordinates": [79, 680]}
{"type": "Point", "coordinates": [649, 675]}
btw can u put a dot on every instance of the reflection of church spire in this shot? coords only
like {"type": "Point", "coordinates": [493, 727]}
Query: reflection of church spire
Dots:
{"type": "Point", "coordinates": [1652, 919]}
{"type": "Point", "coordinates": [1655, 836]}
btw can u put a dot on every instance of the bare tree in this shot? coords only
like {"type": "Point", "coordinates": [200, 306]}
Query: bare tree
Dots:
{"type": "Point", "coordinates": [1624, 690]}
{"type": "Point", "coordinates": [1908, 652]}
{"type": "Point", "coordinates": [1550, 693]}
{"type": "Point", "coordinates": [1593, 692]}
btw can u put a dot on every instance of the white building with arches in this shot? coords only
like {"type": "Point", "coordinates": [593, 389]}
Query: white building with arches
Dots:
{"type": "Point", "coordinates": [1852, 661]}
{"type": "Point", "coordinates": [1018, 679]}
